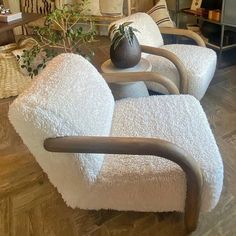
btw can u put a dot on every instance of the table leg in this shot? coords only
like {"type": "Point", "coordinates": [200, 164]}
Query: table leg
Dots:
{"type": "Point", "coordinates": [7, 37]}
{"type": "Point", "coordinates": [125, 90]}
{"type": "Point", "coordinates": [221, 45]}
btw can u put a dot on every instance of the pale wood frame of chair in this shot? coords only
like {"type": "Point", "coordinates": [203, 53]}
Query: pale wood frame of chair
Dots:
{"type": "Point", "coordinates": [184, 83]}
{"type": "Point", "coordinates": [141, 76]}
{"type": "Point", "coordinates": [175, 60]}
{"type": "Point", "coordinates": [183, 32]}
{"type": "Point", "coordinates": [154, 76]}
{"type": "Point", "coordinates": [141, 146]}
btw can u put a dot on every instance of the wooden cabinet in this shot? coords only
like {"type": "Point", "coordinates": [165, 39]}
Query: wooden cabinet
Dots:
{"type": "Point", "coordinates": [6, 29]}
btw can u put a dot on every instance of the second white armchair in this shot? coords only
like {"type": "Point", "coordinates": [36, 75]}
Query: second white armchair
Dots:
{"type": "Point", "coordinates": [199, 61]}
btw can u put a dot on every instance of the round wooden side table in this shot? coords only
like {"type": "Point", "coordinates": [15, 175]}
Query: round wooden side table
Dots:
{"type": "Point", "coordinates": [129, 89]}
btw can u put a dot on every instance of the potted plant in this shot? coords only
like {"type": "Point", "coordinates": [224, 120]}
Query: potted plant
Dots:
{"type": "Point", "coordinates": [61, 33]}
{"type": "Point", "coordinates": [125, 50]}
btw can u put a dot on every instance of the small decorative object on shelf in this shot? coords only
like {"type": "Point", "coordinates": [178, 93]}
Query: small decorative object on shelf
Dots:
{"type": "Point", "coordinates": [7, 16]}
{"type": "Point", "coordinates": [194, 27]}
{"type": "Point", "coordinates": [125, 51]}
{"type": "Point", "coordinates": [196, 4]}
{"type": "Point", "coordinates": [214, 15]}
{"type": "Point", "coordinates": [111, 7]}
{"type": "Point", "coordinates": [4, 11]}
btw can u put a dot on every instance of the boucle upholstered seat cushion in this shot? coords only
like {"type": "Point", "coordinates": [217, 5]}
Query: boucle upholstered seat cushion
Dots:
{"type": "Point", "coordinates": [199, 62]}
{"type": "Point", "coordinates": [146, 183]}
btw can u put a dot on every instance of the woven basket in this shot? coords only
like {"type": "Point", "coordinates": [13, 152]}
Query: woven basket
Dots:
{"type": "Point", "coordinates": [12, 81]}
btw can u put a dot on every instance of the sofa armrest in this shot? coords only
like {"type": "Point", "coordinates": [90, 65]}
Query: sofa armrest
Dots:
{"type": "Point", "coordinates": [175, 60]}
{"type": "Point", "coordinates": [184, 32]}
{"type": "Point", "coordinates": [141, 76]}
{"type": "Point", "coordinates": [141, 146]}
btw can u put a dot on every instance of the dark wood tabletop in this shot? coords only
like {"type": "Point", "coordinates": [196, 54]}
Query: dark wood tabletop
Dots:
{"type": "Point", "coordinates": [26, 18]}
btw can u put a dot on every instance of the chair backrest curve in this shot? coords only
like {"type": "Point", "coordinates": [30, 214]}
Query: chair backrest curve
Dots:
{"type": "Point", "coordinates": [68, 98]}
{"type": "Point", "coordinates": [149, 33]}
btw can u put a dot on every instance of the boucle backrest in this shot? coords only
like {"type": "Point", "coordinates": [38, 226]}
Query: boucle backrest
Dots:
{"type": "Point", "coordinates": [68, 98]}
{"type": "Point", "coordinates": [149, 33]}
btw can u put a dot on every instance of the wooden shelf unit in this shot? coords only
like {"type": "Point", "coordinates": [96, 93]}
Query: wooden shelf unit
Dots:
{"type": "Point", "coordinates": [227, 22]}
{"type": "Point", "coordinates": [221, 47]}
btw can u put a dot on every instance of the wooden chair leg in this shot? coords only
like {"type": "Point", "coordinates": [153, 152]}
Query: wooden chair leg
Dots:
{"type": "Point", "coordinates": [192, 205]}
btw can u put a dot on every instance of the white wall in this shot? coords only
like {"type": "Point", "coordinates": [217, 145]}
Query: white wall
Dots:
{"type": "Point", "coordinates": [14, 5]}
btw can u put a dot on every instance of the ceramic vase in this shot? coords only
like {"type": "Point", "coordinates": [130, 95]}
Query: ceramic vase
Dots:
{"type": "Point", "coordinates": [126, 55]}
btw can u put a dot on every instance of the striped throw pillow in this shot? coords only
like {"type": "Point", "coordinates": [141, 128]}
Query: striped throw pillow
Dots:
{"type": "Point", "coordinates": [160, 14]}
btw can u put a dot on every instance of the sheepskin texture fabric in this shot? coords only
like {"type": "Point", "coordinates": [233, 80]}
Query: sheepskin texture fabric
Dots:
{"type": "Point", "coordinates": [200, 63]}
{"type": "Point", "coordinates": [160, 15]}
{"type": "Point", "coordinates": [149, 33]}
{"type": "Point", "coordinates": [148, 183]}
{"type": "Point", "coordinates": [68, 98]}
{"type": "Point", "coordinates": [71, 98]}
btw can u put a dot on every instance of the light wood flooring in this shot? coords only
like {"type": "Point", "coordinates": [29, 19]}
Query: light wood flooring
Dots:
{"type": "Point", "coordinates": [30, 205]}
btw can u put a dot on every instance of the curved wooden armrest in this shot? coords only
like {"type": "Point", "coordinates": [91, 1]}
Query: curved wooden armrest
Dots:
{"type": "Point", "coordinates": [141, 76]}
{"type": "Point", "coordinates": [141, 146]}
{"type": "Point", "coordinates": [175, 60]}
{"type": "Point", "coordinates": [184, 32]}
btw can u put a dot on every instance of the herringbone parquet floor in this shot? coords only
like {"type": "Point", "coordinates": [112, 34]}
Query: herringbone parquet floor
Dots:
{"type": "Point", "coordinates": [30, 205]}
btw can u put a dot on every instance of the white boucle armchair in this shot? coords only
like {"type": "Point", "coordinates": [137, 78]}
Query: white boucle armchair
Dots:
{"type": "Point", "coordinates": [138, 154]}
{"type": "Point", "coordinates": [199, 61]}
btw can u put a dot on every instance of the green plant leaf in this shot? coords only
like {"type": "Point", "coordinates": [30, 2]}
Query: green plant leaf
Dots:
{"type": "Point", "coordinates": [60, 31]}
{"type": "Point", "coordinates": [35, 72]}
{"type": "Point", "coordinates": [123, 31]}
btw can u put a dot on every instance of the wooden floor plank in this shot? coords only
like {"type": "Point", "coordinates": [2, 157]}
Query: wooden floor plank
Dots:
{"type": "Point", "coordinates": [22, 225]}
{"type": "Point", "coordinates": [5, 216]}
{"type": "Point", "coordinates": [17, 172]}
